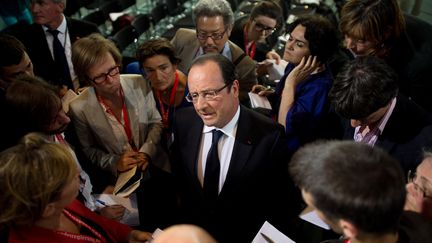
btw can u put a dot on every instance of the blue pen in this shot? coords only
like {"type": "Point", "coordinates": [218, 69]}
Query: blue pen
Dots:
{"type": "Point", "coordinates": [101, 202]}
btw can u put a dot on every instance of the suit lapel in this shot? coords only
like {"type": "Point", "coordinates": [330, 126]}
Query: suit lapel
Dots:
{"type": "Point", "coordinates": [242, 148]}
{"type": "Point", "coordinates": [98, 120]}
{"type": "Point", "coordinates": [132, 110]}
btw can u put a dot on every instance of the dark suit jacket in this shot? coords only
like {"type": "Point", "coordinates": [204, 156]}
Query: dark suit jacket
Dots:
{"type": "Point", "coordinates": [257, 187]}
{"type": "Point", "coordinates": [408, 131]}
{"type": "Point", "coordinates": [33, 37]}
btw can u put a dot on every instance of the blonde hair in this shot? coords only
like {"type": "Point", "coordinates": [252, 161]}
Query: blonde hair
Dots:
{"type": "Point", "coordinates": [32, 175]}
{"type": "Point", "coordinates": [90, 51]}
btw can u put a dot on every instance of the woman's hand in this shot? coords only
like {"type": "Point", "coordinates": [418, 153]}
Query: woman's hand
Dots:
{"type": "Point", "coordinates": [136, 236]}
{"type": "Point", "coordinates": [114, 212]}
{"type": "Point", "coordinates": [262, 90]}
{"type": "Point", "coordinates": [127, 161]}
{"type": "Point", "coordinates": [144, 160]}
{"type": "Point", "coordinates": [273, 55]}
{"type": "Point", "coordinates": [305, 68]}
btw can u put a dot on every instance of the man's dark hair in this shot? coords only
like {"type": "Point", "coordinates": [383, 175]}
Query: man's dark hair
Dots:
{"type": "Point", "coordinates": [11, 49]}
{"type": "Point", "coordinates": [31, 104]}
{"type": "Point", "coordinates": [352, 181]}
{"type": "Point", "coordinates": [321, 35]}
{"type": "Point", "coordinates": [226, 67]}
{"type": "Point", "coordinates": [362, 87]}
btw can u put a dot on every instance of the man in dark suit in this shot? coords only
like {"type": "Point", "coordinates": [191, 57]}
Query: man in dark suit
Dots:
{"type": "Point", "coordinates": [39, 41]}
{"type": "Point", "coordinates": [365, 93]}
{"type": "Point", "coordinates": [251, 183]}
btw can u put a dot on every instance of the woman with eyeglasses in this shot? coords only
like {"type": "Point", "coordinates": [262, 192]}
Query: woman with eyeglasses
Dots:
{"type": "Point", "coordinates": [301, 95]}
{"type": "Point", "coordinates": [251, 31]}
{"type": "Point", "coordinates": [158, 60]}
{"type": "Point", "coordinates": [116, 120]}
{"type": "Point", "coordinates": [119, 128]}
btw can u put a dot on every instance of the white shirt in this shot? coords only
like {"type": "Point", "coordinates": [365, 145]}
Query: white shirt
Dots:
{"type": "Point", "coordinates": [64, 38]}
{"type": "Point", "coordinates": [225, 148]}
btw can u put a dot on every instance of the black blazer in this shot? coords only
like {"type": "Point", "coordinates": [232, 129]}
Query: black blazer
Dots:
{"type": "Point", "coordinates": [33, 37]}
{"type": "Point", "coordinates": [257, 186]}
{"type": "Point", "coordinates": [408, 131]}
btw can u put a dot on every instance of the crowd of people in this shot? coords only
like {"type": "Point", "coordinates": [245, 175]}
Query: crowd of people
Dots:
{"type": "Point", "coordinates": [349, 134]}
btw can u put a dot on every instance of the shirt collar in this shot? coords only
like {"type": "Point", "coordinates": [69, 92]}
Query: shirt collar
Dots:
{"type": "Point", "coordinates": [387, 115]}
{"type": "Point", "coordinates": [229, 129]}
{"type": "Point", "coordinates": [226, 51]}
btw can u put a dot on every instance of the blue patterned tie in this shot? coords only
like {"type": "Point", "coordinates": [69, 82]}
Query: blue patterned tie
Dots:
{"type": "Point", "coordinates": [61, 61]}
{"type": "Point", "coordinates": [212, 169]}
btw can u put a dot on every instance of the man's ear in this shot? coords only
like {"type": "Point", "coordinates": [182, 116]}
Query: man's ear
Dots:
{"type": "Point", "coordinates": [229, 31]}
{"type": "Point", "coordinates": [61, 6]}
{"type": "Point", "coordinates": [235, 88]}
{"type": "Point", "coordinates": [349, 230]}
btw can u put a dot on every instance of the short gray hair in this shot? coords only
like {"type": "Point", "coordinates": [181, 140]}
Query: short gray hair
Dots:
{"type": "Point", "coordinates": [213, 8]}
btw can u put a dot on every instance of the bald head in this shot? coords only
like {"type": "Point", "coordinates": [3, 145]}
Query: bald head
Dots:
{"type": "Point", "coordinates": [184, 234]}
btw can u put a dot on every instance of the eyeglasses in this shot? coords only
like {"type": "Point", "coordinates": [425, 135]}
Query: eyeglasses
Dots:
{"type": "Point", "coordinates": [260, 27]}
{"type": "Point", "coordinates": [103, 77]}
{"type": "Point", "coordinates": [412, 175]}
{"type": "Point", "coordinates": [213, 36]}
{"type": "Point", "coordinates": [208, 95]}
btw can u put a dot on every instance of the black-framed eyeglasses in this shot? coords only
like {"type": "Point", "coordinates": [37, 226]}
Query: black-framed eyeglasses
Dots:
{"type": "Point", "coordinates": [412, 175]}
{"type": "Point", "coordinates": [260, 27]}
{"type": "Point", "coordinates": [103, 77]}
{"type": "Point", "coordinates": [208, 95]}
{"type": "Point", "coordinates": [213, 36]}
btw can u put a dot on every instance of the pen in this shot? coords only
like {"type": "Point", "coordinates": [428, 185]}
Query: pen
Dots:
{"type": "Point", "coordinates": [266, 238]}
{"type": "Point", "coordinates": [101, 202]}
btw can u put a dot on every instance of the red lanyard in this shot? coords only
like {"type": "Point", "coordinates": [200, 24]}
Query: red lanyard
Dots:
{"type": "Point", "coordinates": [165, 113]}
{"type": "Point", "coordinates": [251, 50]}
{"type": "Point", "coordinates": [78, 237]}
{"type": "Point", "coordinates": [126, 125]}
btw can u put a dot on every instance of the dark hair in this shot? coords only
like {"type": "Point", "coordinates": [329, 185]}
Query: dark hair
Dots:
{"type": "Point", "coordinates": [352, 181]}
{"type": "Point", "coordinates": [226, 67]}
{"type": "Point", "coordinates": [11, 49]}
{"type": "Point", "coordinates": [213, 8]}
{"type": "Point", "coordinates": [269, 9]}
{"type": "Point", "coordinates": [363, 86]}
{"type": "Point", "coordinates": [379, 21]}
{"type": "Point", "coordinates": [321, 35]}
{"type": "Point", "coordinates": [155, 47]}
{"type": "Point", "coordinates": [31, 104]}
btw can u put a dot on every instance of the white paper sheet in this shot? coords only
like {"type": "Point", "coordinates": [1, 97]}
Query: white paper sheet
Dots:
{"type": "Point", "coordinates": [273, 234]}
{"type": "Point", "coordinates": [313, 218]}
{"type": "Point", "coordinates": [259, 101]}
{"type": "Point", "coordinates": [276, 71]}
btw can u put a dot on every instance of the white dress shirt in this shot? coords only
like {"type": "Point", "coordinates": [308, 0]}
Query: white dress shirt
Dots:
{"type": "Point", "coordinates": [225, 148]}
